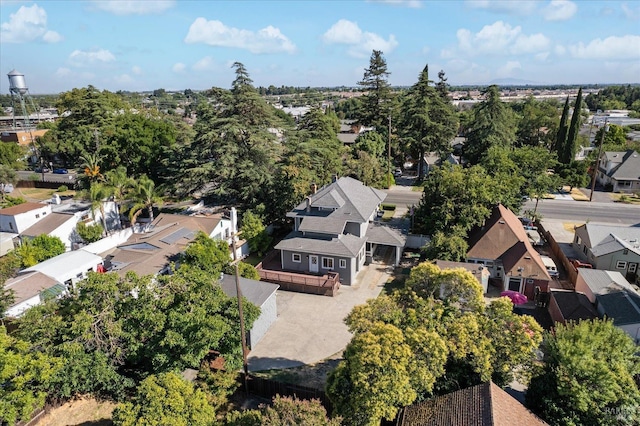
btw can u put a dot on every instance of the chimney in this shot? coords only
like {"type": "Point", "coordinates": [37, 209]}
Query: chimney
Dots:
{"type": "Point", "coordinates": [308, 204]}
{"type": "Point", "coordinates": [314, 188]}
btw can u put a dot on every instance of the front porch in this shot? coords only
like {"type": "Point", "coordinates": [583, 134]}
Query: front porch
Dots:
{"type": "Point", "coordinates": [270, 270]}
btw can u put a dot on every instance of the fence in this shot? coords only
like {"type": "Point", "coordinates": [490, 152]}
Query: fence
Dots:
{"type": "Point", "coordinates": [268, 388]}
{"type": "Point", "coordinates": [416, 241]}
{"type": "Point", "coordinates": [572, 273]}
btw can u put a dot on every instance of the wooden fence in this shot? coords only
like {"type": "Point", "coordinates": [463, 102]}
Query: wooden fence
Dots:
{"type": "Point", "coordinates": [572, 273]}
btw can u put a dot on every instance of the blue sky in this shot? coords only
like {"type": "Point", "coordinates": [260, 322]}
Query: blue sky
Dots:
{"type": "Point", "coordinates": [175, 45]}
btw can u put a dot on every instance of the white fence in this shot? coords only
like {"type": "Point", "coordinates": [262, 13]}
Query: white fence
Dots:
{"type": "Point", "coordinates": [109, 242]}
{"type": "Point", "coordinates": [416, 241]}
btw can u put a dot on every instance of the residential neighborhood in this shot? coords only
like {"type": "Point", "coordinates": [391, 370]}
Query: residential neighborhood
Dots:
{"type": "Point", "coordinates": [422, 251]}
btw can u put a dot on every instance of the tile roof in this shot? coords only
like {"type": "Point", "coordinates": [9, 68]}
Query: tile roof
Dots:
{"type": "Point", "coordinates": [481, 405]}
{"type": "Point", "coordinates": [21, 208]}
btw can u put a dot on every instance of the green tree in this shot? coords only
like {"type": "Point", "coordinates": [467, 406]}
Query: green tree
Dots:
{"type": "Point", "coordinates": [587, 377]}
{"type": "Point", "coordinates": [207, 254]}
{"type": "Point", "coordinates": [119, 184]}
{"type": "Point", "coordinates": [91, 233]}
{"type": "Point", "coordinates": [284, 411]}
{"type": "Point", "coordinates": [568, 153]}
{"type": "Point", "coordinates": [144, 195]}
{"type": "Point", "coordinates": [428, 122]}
{"type": "Point", "coordinates": [254, 231]}
{"type": "Point", "coordinates": [374, 379]}
{"type": "Point", "coordinates": [97, 195]}
{"type": "Point", "coordinates": [456, 286]}
{"type": "Point", "coordinates": [574, 174]}
{"type": "Point", "coordinates": [563, 128]}
{"type": "Point", "coordinates": [8, 176]}
{"type": "Point", "coordinates": [372, 143]}
{"type": "Point", "coordinates": [39, 249]}
{"type": "Point", "coordinates": [25, 376]}
{"type": "Point", "coordinates": [166, 399]}
{"type": "Point", "coordinates": [537, 123]}
{"type": "Point", "coordinates": [452, 247]}
{"type": "Point", "coordinates": [376, 102]}
{"type": "Point", "coordinates": [493, 124]}
{"type": "Point", "coordinates": [12, 155]}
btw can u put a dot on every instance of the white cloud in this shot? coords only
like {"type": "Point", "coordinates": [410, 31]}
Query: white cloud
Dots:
{"type": "Point", "coordinates": [215, 33]}
{"type": "Point", "coordinates": [69, 74]}
{"type": "Point", "coordinates": [559, 10]}
{"type": "Point", "coordinates": [522, 7]}
{"type": "Point", "coordinates": [132, 7]}
{"type": "Point", "coordinates": [500, 38]}
{"type": "Point", "coordinates": [625, 47]}
{"type": "Point", "coordinates": [205, 64]}
{"type": "Point", "coordinates": [179, 67]}
{"type": "Point", "coordinates": [28, 24]}
{"type": "Point", "coordinates": [507, 69]}
{"type": "Point", "coordinates": [80, 58]}
{"type": "Point", "coordinates": [413, 4]}
{"type": "Point", "coordinates": [360, 43]}
{"type": "Point", "coordinates": [124, 79]}
{"type": "Point", "coordinates": [630, 12]}
{"type": "Point", "coordinates": [425, 50]}
{"type": "Point", "coordinates": [542, 56]}
{"type": "Point", "coordinates": [136, 70]}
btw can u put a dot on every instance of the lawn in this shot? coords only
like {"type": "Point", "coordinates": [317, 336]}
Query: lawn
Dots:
{"type": "Point", "coordinates": [82, 411]}
{"type": "Point", "coordinates": [40, 194]}
{"type": "Point", "coordinates": [625, 198]}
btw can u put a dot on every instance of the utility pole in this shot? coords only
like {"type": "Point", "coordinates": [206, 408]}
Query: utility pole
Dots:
{"type": "Point", "coordinates": [605, 129]}
{"type": "Point", "coordinates": [389, 157]}
{"type": "Point", "coordinates": [245, 365]}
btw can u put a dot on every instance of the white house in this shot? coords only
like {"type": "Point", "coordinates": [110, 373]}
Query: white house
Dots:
{"type": "Point", "coordinates": [16, 219]}
{"type": "Point", "coordinates": [68, 268]}
{"type": "Point", "coordinates": [31, 289]}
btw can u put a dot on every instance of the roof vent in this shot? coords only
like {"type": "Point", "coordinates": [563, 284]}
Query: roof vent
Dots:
{"type": "Point", "coordinates": [501, 222]}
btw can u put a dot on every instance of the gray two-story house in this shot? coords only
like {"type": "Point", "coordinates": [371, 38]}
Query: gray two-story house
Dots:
{"type": "Point", "coordinates": [335, 231]}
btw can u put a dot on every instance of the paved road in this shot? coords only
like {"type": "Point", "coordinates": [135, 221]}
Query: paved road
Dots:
{"type": "Point", "coordinates": [583, 211]}
{"type": "Point", "coordinates": [48, 177]}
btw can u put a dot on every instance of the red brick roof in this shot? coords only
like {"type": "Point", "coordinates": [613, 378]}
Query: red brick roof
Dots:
{"type": "Point", "coordinates": [481, 405]}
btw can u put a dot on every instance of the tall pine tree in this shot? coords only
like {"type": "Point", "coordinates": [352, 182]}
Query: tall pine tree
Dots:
{"type": "Point", "coordinates": [561, 138]}
{"type": "Point", "coordinates": [376, 103]}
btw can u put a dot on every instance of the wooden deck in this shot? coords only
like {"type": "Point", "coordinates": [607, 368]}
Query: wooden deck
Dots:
{"type": "Point", "coordinates": [271, 271]}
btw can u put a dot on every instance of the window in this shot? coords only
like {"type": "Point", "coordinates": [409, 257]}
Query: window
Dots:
{"type": "Point", "coordinates": [578, 240]}
{"type": "Point", "coordinates": [633, 267]}
{"type": "Point", "coordinates": [343, 263]}
{"type": "Point", "coordinates": [327, 263]}
{"type": "Point", "coordinates": [296, 257]}
{"type": "Point", "coordinates": [37, 216]}
{"type": "Point", "coordinates": [44, 213]}
{"type": "Point", "coordinates": [584, 249]}
{"type": "Point", "coordinates": [620, 264]}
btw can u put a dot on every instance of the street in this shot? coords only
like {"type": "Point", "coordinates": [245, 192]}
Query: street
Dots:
{"type": "Point", "coordinates": [69, 178]}
{"type": "Point", "coordinates": [584, 211]}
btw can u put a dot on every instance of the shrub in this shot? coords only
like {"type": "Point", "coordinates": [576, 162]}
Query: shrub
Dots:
{"type": "Point", "coordinates": [391, 207]}
{"type": "Point", "coordinates": [63, 188]}
{"type": "Point", "coordinates": [90, 234]}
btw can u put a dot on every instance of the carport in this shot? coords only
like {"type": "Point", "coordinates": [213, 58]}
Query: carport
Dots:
{"type": "Point", "coordinates": [381, 235]}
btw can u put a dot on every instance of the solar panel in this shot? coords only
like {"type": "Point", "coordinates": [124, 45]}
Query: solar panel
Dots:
{"type": "Point", "coordinates": [175, 236]}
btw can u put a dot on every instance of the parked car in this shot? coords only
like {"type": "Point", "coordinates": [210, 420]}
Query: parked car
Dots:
{"type": "Point", "coordinates": [397, 172]}
{"type": "Point", "coordinates": [41, 170]}
{"type": "Point", "coordinates": [578, 264]}
{"type": "Point", "coordinates": [60, 171]}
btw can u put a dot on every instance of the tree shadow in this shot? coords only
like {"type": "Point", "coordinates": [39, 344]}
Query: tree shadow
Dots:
{"type": "Point", "coordinates": [101, 422]}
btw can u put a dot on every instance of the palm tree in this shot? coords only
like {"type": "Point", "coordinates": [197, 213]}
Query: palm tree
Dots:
{"type": "Point", "coordinates": [98, 193]}
{"type": "Point", "coordinates": [90, 163]}
{"type": "Point", "coordinates": [145, 195]}
{"type": "Point", "coordinates": [120, 185]}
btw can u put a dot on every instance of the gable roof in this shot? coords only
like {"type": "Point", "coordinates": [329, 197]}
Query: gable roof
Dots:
{"type": "Point", "coordinates": [503, 237]}
{"type": "Point", "coordinates": [21, 208]}
{"type": "Point", "coordinates": [481, 405]}
{"type": "Point", "coordinates": [619, 300]}
{"type": "Point", "coordinates": [29, 284]}
{"type": "Point", "coordinates": [628, 167]}
{"type": "Point", "coordinates": [350, 199]}
{"type": "Point", "coordinates": [573, 305]}
{"type": "Point", "coordinates": [256, 292]}
{"type": "Point", "coordinates": [344, 245]}
{"type": "Point", "coordinates": [385, 235]}
{"type": "Point", "coordinates": [169, 234]}
{"type": "Point", "coordinates": [593, 234]}
{"type": "Point", "coordinates": [47, 224]}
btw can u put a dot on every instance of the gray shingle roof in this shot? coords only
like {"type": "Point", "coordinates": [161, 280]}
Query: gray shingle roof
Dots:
{"type": "Point", "coordinates": [380, 234]}
{"type": "Point", "coordinates": [345, 245]}
{"type": "Point", "coordinates": [604, 282]}
{"type": "Point", "coordinates": [593, 234]}
{"type": "Point", "coordinates": [256, 292]}
{"type": "Point", "coordinates": [360, 201]}
{"type": "Point", "coordinates": [622, 307]}
{"type": "Point", "coordinates": [629, 168]}
{"type": "Point", "coordinates": [322, 225]}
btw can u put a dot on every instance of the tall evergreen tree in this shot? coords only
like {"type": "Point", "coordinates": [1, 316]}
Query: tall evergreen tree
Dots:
{"type": "Point", "coordinates": [569, 151]}
{"type": "Point", "coordinates": [493, 124]}
{"type": "Point", "coordinates": [376, 103]}
{"type": "Point", "coordinates": [561, 138]}
{"type": "Point", "coordinates": [428, 120]}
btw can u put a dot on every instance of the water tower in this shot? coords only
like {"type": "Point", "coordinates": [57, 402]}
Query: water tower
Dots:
{"type": "Point", "coordinates": [20, 93]}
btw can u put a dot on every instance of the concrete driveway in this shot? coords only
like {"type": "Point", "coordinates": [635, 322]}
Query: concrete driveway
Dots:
{"type": "Point", "coordinates": [310, 328]}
